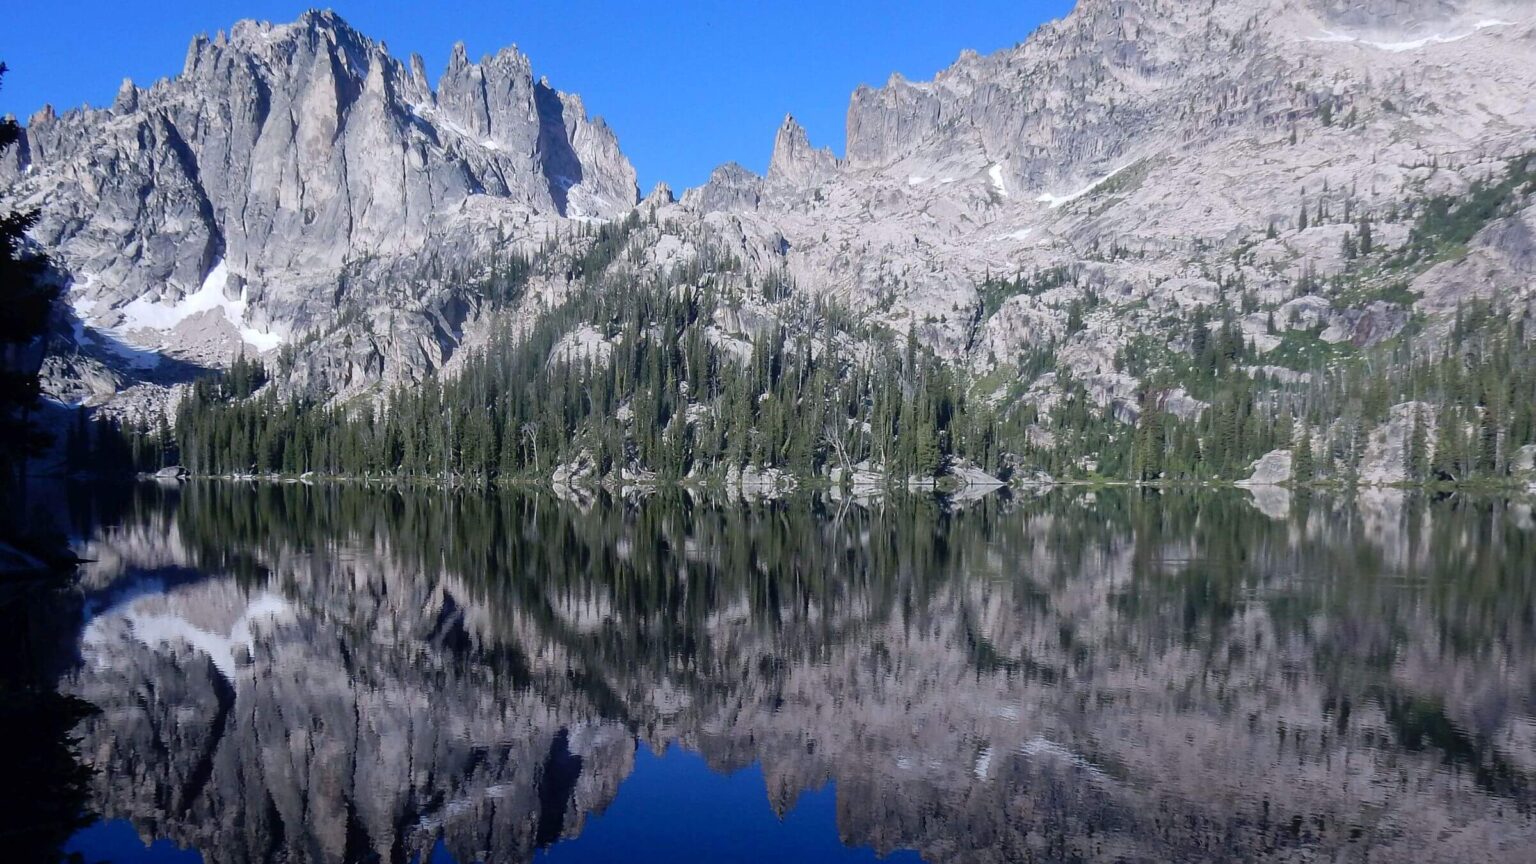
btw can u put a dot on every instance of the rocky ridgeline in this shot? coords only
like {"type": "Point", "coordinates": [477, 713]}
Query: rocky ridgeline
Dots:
{"type": "Point", "coordinates": [305, 189]}
{"type": "Point", "coordinates": [1161, 151]}
{"type": "Point", "coordinates": [219, 210]}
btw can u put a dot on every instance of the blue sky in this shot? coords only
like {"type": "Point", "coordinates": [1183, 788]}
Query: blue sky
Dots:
{"type": "Point", "coordinates": [686, 84]}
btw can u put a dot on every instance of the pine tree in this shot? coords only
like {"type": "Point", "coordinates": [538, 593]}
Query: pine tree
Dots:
{"type": "Point", "coordinates": [1443, 463]}
{"type": "Point", "coordinates": [1148, 450]}
{"type": "Point", "coordinates": [1303, 468]}
{"type": "Point", "coordinates": [1488, 444]}
{"type": "Point", "coordinates": [165, 443]}
{"type": "Point", "coordinates": [926, 452]}
{"type": "Point", "coordinates": [514, 410]}
{"type": "Point", "coordinates": [1418, 448]}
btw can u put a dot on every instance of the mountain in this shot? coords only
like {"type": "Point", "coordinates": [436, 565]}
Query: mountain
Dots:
{"type": "Point", "coordinates": [1151, 146]}
{"type": "Point", "coordinates": [225, 205]}
{"type": "Point", "coordinates": [1072, 222]}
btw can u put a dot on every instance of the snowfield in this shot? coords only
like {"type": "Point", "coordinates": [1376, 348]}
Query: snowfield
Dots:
{"type": "Point", "coordinates": [146, 314]}
{"type": "Point", "coordinates": [1409, 44]}
{"type": "Point", "coordinates": [1054, 201]}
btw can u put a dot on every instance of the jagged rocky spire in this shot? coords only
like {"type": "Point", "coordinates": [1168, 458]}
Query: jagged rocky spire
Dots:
{"type": "Point", "coordinates": [795, 161]}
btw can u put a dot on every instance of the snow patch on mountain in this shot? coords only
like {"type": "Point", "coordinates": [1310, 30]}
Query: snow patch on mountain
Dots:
{"type": "Point", "coordinates": [431, 114]}
{"type": "Point", "coordinates": [995, 173]}
{"type": "Point", "coordinates": [1399, 47]}
{"type": "Point", "coordinates": [1054, 201]}
{"type": "Point", "coordinates": [85, 335]}
{"type": "Point", "coordinates": [1416, 44]}
{"type": "Point", "coordinates": [146, 314]}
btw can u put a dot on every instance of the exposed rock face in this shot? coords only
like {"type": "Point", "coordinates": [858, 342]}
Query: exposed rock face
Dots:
{"type": "Point", "coordinates": [1272, 469]}
{"type": "Point", "coordinates": [751, 481]}
{"type": "Point", "coordinates": [862, 479]}
{"type": "Point", "coordinates": [1388, 450]}
{"type": "Point", "coordinates": [1500, 263]}
{"type": "Point", "coordinates": [283, 155]}
{"type": "Point", "coordinates": [1088, 95]}
{"type": "Point", "coordinates": [730, 187]}
{"type": "Point", "coordinates": [795, 162]}
{"type": "Point", "coordinates": [1143, 145]}
{"type": "Point", "coordinates": [582, 470]}
{"type": "Point", "coordinates": [1522, 467]}
{"type": "Point", "coordinates": [1524, 461]}
{"type": "Point", "coordinates": [1138, 157]}
{"type": "Point", "coordinates": [970, 476]}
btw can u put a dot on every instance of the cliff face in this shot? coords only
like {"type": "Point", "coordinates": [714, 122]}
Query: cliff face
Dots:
{"type": "Point", "coordinates": [1122, 79]}
{"type": "Point", "coordinates": [1155, 150]}
{"type": "Point", "coordinates": [297, 186]}
{"type": "Point", "coordinates": [240, 191]}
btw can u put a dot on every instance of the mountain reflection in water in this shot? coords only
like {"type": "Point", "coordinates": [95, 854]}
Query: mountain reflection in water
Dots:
{"type": "Point", "coordinates": [334, 673]}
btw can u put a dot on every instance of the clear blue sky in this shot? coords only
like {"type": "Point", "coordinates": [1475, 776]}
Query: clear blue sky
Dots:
{"type": "Point", "coordinates": [686, 84]}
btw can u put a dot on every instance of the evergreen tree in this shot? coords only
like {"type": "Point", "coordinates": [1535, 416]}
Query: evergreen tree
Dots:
{"type": "Point", "coordinates": [1418, 448]}
{"type": "Point", "coordinates": [1444, 465]}
{"type": "Point", "coordinates": [1303, 468]}
{"type": "Point", "coordinates": [667, 397]}
{"type": "Point", "coordinates": [1148, 458]}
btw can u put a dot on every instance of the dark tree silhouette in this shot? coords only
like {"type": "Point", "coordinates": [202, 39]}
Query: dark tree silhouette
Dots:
{"type": "Point", "coordinates": [25, 301]}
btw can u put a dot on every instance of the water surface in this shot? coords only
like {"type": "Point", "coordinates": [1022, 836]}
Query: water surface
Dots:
{"type": "Point", "coordinates": [333, 673]}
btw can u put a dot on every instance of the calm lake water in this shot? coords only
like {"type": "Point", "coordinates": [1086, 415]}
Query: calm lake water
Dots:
{"type": "Point", "coordinates": [332, 673]}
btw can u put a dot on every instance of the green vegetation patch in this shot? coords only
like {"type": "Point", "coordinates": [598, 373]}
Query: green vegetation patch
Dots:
{"type": "Point", "coordinates": [1303, 350]}
{"type": "Point", "coordinates": [1446, 223]}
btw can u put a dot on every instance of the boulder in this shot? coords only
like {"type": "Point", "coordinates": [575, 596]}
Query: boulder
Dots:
{"type": "Point", "coordinates": [1524, 460]}
{"type": "Point", "coordinates": [579, 471]}
{"type": "Point", "coordinates": [1271, 469]}
{"type": "Point", "coordinates": [969, 475]}
{"type": "Point", "coordinates": [1386, 456]}
{"type": "Point", "coordinates": [864, 477]}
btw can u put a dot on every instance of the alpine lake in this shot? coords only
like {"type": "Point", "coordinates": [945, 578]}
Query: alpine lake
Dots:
{"type": "Point", "coordinates": [287, 672]}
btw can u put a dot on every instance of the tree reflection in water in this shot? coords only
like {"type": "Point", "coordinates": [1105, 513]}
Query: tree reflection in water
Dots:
{"type": "Point", "coordinates": [332, 672]}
